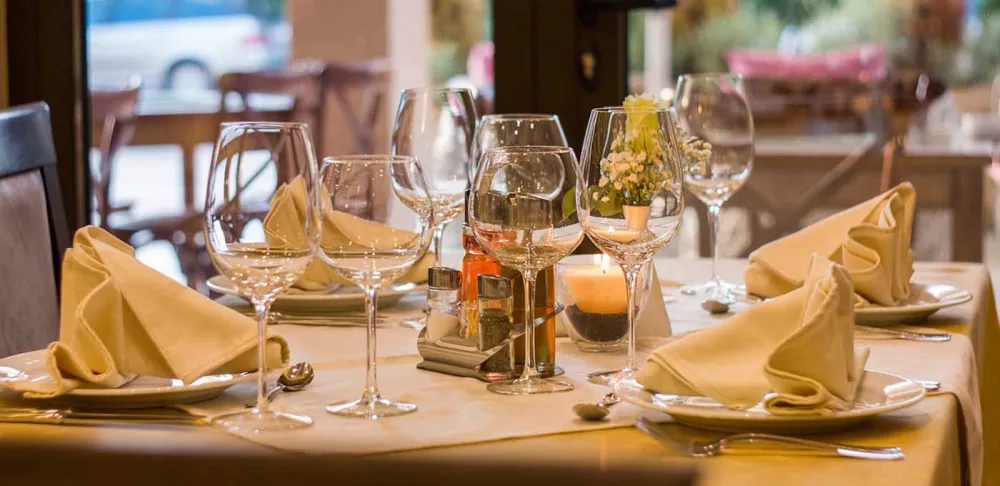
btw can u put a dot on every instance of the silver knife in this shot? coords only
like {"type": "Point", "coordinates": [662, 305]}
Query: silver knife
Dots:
{"type": "Point", "coordinates": [68, 416]}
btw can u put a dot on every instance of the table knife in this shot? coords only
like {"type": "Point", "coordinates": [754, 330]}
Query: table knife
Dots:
{"type": "Point", "coordinates": [95, 417]}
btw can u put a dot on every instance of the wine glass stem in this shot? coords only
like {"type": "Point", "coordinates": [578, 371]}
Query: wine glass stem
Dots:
{"type": "Point", "coordinates": [438, 238]}
{"type": "Point", "coordinates": [262, 309]}
{"type": "Point", "coordinates": [371, 380]}
{"type": "Point", "coordinates": [713, 214]}
{"type": "Point", "coordinates": [530, 372]}
{"type": "Point", "coordinates": [631, 287]}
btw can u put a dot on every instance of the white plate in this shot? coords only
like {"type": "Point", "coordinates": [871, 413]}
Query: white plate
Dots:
{"type": "Point", "coordinates": [344, 299]}
{"type": "Point", "coordinates": [143, 391]}
{"type": "Point", "coordinates": [879, 393]}
{"type": "Point", "coordinates": [925, 299]}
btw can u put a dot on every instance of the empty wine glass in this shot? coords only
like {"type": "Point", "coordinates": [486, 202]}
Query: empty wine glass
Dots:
{"type": "Point", "coordinates": [380, 207]}
{"type": "Point", "coordinates": [632, 201]}
{"type": "Point", "coordinates": [261, 259]}
{"type": "Point", "coordinates": [717, 147]}
{"type": "Point", "coordinates": [516, 212]}
{"type": "Point", "coordinates": [437, 126]}
{"type": "Point", "coordinates": [516, 130]}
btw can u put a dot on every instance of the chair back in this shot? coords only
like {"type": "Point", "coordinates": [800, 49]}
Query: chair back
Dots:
{"type": "Point", "coordinates": [367, 82]}
{"type": "Point", "coordinates": [113, 119]}
{"type": "Point", "coordinates": [35, 233]}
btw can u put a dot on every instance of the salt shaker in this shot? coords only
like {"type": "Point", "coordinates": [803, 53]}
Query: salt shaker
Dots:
{"type": "Point", "coordinates": [496, 322]}
{"type": "Point", "coordinates": [443, 302]}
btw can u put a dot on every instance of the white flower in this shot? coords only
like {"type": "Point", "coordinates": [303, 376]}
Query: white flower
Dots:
{"type": "Point", "coordinates": [596, 196]}
{"type": "Point", "coordinates": [605, 198]}
{"type": "Point", "coordinates": [633, 178]}
{"type": "Point", "coordinates": [603, 182]}
{"type": "Point", "coordinates": [618, 186]}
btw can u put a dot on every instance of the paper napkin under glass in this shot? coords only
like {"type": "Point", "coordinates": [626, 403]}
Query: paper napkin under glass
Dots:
{"type": "Point", "coordinates": [285, 219]}
{"type": "Point", "coordinates": [120, 318]}
{"type": "Point", "coordinates": [871, 240]}
{"type": "Point", "coordinates": [793, 354]}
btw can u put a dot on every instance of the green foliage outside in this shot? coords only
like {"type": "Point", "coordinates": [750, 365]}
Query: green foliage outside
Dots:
{"type": "Point", "coordinates": [456, 25]}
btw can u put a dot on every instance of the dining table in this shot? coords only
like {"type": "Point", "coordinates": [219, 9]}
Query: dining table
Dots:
{"type": "Point", "coordinates": [949, 438]}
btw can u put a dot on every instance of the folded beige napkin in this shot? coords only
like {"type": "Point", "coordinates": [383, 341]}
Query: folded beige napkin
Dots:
{"type": "Point", "coordinates": [288, 209]}
{"type": "Point", "coordinates": [871, 240]}
{"type": "Point", "coordinates": [120, 318]}
{"type": "Point", "coordinates": [794, 353]}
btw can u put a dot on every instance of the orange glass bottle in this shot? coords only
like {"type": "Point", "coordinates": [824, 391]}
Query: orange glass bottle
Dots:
{"type": "Point", "coordinates": [475, 263]}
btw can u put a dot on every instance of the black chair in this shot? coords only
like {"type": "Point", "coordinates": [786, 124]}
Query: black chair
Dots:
{"type": "Point", "coordinates": [35, 233]}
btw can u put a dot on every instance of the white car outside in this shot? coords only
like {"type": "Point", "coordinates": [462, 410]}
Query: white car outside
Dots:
{"type": "Point", "coordinates": [171, 44]}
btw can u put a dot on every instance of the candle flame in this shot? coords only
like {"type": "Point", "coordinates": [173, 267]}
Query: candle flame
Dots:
{"type": "Point", "coordinates": [605, 263]}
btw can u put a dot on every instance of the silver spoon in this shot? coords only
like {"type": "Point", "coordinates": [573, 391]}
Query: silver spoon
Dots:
{"type": "Point", "coordinates": [293, 379]}
{"type": "Point", "coordinates": [593, 412]}
{"type": "Point", "coordinates": [715, 306]}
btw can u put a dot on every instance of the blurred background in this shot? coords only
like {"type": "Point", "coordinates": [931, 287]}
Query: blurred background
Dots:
{"type": "Point", "coordinates": [163, 74]}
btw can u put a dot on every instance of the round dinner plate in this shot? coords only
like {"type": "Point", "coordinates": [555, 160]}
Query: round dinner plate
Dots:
{"type": "Point", "coordinates": [141, 392]}
{"type": "Point", "coordinates": [925, 299]}
{"type": "Point", "coordinates": [344, 299]}
{"type": "Point", "coordinates": [879, 393]}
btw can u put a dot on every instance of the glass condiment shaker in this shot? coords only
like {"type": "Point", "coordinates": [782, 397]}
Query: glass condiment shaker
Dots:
{"type": "Point", "coordinates": [495, 302]}
{"type": "Point", "coordinates": [475, 263]}
{"type": "Point", "coordinates": [443, 301]}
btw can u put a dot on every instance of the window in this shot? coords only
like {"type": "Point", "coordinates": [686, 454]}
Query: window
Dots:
{"type": "Point", "coordinates": [209, 8]}
{"type": "Point", "coordinates": [140, 10]}
{"type": "Point", "coordinates": [98, 11]}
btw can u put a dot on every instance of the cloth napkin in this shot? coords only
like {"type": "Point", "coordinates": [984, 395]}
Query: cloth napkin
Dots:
{"type": "Point", "coordinates": [284, 222]}
{"type": "Point", "coordinates": [120, 318]}
{"type": "Point", "coordinates": [871, 240]}
{"type": "Point", "coordinates": [794, 354]}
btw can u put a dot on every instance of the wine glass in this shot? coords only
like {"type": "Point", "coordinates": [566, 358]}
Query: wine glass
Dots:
{"type": "Point", "coordinates": [437, 126]}
{"type": "Point", "coordinates": [381, 206]}
{"type": "Point", "coordinates": [516, 129]}
{"type": "Point", "coordinates": [516, 213]}
{"type": "Point", "coordinates": [717, 147]}
{"type": "Point", "coordinates": [632, 201]}
{"type": "Point", "coordinates": [261, 260]}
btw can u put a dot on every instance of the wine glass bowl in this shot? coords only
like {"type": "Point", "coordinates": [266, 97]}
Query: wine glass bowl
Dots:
{"type": "Point", "coordinates": [717, 139]}
{"type": "Point", "coordinates": [631, 202]}
{"type": "Point", "coordinates": [437, 126]}
{"type": "Point", "coordinates": [517, 215]}
{"type": "Point", "coordinates": [254, 240]}
{"type": "Point", "coordinates": [516, 130]}
{"type": "Point", "coordinates": [373, 237]}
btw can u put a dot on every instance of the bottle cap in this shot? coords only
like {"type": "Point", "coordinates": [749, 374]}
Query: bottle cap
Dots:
{"type": "Point", "coordinates": [494, 287]}
{"type": "Point", "coordinates": [444, 278]}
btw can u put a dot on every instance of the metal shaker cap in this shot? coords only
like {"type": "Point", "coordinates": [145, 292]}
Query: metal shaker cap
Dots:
{"type": "Point", "coordinates": [444, 278]}
{"type": "Point", "coordinates": [494, 287]}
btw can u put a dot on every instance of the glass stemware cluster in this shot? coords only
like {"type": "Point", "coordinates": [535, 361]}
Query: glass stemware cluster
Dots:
{"type": "Point", "coordinates": [370, 218]}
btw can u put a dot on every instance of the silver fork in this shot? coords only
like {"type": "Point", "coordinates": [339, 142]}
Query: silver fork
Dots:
{"type": "Point", "coordinates": [906, 335]}
{"type": "Point", "coordinates": [726, 444]}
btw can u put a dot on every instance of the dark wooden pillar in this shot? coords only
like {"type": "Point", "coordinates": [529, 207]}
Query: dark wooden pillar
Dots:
{"type": "Point", "coordinates": [45, 62]}
{"type": "Point", "coordinates": [559, 56]}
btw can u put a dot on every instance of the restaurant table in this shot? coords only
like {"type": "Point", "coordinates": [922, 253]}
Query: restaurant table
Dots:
{"type": "Point", "coordinates": [932, 433]}
{"type": "Point", "coordinates": [794, 175]}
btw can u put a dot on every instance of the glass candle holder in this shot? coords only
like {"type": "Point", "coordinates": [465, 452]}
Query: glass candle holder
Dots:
{"type": "Point", "coordinates": [592, 288]}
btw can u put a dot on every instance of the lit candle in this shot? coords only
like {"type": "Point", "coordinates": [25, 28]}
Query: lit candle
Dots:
{"type": "Point", "coordinates": [597, 288]}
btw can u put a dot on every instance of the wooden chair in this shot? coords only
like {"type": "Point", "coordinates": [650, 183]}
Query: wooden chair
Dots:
{"type": "Point", "coordinates": [114, 112]}
{"type": "Point", "coordinates": [368, 82]}
{"type": "Point", "coordinates": [35, 233]}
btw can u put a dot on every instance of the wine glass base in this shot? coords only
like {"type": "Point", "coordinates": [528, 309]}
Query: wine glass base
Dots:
{"type": "Point", "coordinates": [608, 377]}
{"type": "Point", "coordinates": [529, 386]}
{"type": "Point", "coordinates": [371, 408]}
{"type": "Point", "coordinates": [715, 289]}
{"type": "Point", "coordinates": [254, 421]}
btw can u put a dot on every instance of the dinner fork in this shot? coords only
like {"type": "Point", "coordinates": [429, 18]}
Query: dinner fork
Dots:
{"type": "Point", "coordinates": [780, 444]}
{"type": "Point", "coordinates": [906, 335]}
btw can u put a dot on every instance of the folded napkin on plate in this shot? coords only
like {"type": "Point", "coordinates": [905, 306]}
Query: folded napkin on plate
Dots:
{"type": "Point", "coordinates": [871, 240]}
{"type": "Point", "coordinates": [120, 318]}
{"type": "Point", "coordinates": [288, 209]}
{"type": "Point", "coordinates": [795, 352]}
